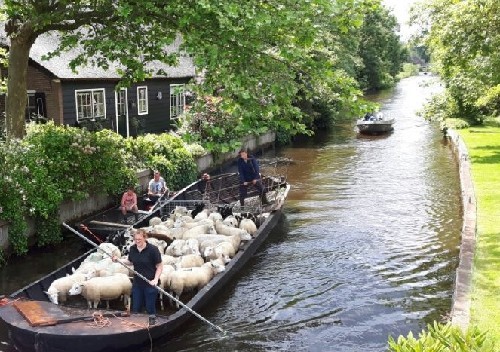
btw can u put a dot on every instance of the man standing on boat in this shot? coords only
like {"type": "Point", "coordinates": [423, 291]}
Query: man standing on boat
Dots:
{"type": "Point", "coordinates": [156, 187]}
{"type": "Point", "coordinates": [248, 169]}
{"type": "Point", "coordinates": [146, 259]}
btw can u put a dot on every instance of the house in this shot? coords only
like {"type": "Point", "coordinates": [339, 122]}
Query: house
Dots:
{"type": "Point", "coordinates": [90, 96]}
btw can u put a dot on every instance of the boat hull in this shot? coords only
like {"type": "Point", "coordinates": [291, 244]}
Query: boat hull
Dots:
{"type": "Point", "coordinates": [123, 334]}
{"type": "Point", "coordinates": [375, 127]}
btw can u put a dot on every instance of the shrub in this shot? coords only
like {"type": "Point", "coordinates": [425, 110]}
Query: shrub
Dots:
{"type": "Point", "coordinates": [443, 338]}
{"type": "Point", "coordinates": [167, 154]}
{"type": "Point", "coordinates": [51, 164]}
{"type": "Point", "coordinates": [56, 163]}
{"type": "Point", "coordinates": [196, 150]}
{"type": "Point", "coordinates": [209, 124]}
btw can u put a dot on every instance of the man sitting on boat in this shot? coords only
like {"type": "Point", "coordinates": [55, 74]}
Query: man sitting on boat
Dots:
{"type": "Point", "coordinates": [248, 169]}
{"type": "Point", "coordinates": [129, 204]}
{"type": "Point", "coordinates": [204, 184]}
{"type": "Point", "coordinates": [370, 116]}
{"type": "Point", "coordinates": [156, 188]}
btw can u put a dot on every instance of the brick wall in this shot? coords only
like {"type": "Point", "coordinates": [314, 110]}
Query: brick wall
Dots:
{"type": "Point", "coordinates": [41, 81]}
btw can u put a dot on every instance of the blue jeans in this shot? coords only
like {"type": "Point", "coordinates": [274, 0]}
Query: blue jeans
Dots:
{"type": "Point", "coordinates": [144, 296]}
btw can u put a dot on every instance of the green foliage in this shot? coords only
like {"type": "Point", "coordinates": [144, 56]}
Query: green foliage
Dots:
{"type": "Point", "coordinates": [210, 123]}
{"type": "Point", "coordinates": [379, 49]}
{"type": "Point", "coordinates": [80, 161]}
{"type": "Point", "coordinates": [57, 163]}
{"type": "Point", "coordinates": [409, 70]}
{"type": "Point", "coordinates": [165, 153]}
{"type": "Point", "coordinates": [463, 42]}
{"type": "Point", "coordinates": [456, 124]}
{"type": "Point", "coordinates": [196, 150]}
{"type": "Point", "coordinates": [443, 338]}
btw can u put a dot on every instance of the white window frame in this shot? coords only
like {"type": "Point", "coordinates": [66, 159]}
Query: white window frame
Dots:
{"type": "Point", "coordinates": [117, 93]}
{"type": "Point", "coordinates": [142, 103]}
{"type": "Point", "coordinates": [93, 103]}
{"type": "Point", "coordinates": [177, 100]}
{"type": "Point", "coordinates": [30, 108]}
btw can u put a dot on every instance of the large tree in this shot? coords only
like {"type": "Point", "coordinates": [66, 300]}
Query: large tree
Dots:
{"type": "Point", "coordinates": [250, 51]}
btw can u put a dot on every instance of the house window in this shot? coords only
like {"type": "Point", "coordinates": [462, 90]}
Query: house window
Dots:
{"type": "Point", "coordinates": [177, 100]}
{"type": "Point", "coordinates": [90, 104]}
{"type": "Point", "coordinates": [35, 106]}
{"type": "Point", "coordinates": [30, 106]}
{"type": "Point", "coordinates": [121, 102]}
{"type": "Point", "coordinates": [142, 100]}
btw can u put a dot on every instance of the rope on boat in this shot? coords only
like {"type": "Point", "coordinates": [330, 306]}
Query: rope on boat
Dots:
{"type": "Point", "coordinates": [85, 228]}
{"type": "Point", "coordinates": [4, 301]}
{"type": "Point", "coordinates": [145, 279]}
{"type": "Point", "coordinates": [99, 321]}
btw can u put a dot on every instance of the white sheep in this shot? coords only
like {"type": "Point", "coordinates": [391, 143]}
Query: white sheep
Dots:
{"type": "Point", "coordinates": [160, 244]}
{"type": "Point", "coordinates": [202, 215]}
{"type": "Point", "coordinates": [190, 225]}
{"type": "Point", "coordinates": [190, 261]}
{"type": "Point", "coordinates": [86, 268]}
{"type": "Point", "coordinates": [167, 259]}
{"type": "Point", "coordinates": [160, 229]}
{"type": "Point", "coordinates": [205, 228]}
{"type": "Point", "coordinates": [94, 257]}
{"type": "Point", "coordinates": [230, 221]}
{"type": "Point", "coordinates": [222, 260]}
{"type": "Point", "coordinates": [226, 230]}
{"type": "Point", "coordinates": [110, 268]}
{"type": "Point", "coordinates": [154, 221]}
{"type": "Point", "coordinates": [213, 240]}
{"type": "Point", "coordinates": [178, 212]}
{"type": "Point", "coordinates": [181, 247]}
{"type": "Point", "coordinates": [59, 288]}
{"type": "Point", "coordinates": [103, 288]}
{"type": "Point", "coordinates": [109, 249]}
{"type": "Point", "coordinates": [220, 250]}
{"type": "Point", "coordinates": [169, 223]}
{"type": "Point", "coordinates": [194, 278]}
{"type": "Point", "coordinates": [164, 278]}
{"type": "Point", "coordinates": [214, 216]}
{"type": "Point", "coordinates": [248, 225]}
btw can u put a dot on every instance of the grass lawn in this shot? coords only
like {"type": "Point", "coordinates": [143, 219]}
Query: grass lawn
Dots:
{"type": "Point", "coordinates": [483, 144]}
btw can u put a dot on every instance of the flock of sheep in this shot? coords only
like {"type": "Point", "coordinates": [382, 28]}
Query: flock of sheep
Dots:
{"type": "Point", "coordinates": [195, 246]}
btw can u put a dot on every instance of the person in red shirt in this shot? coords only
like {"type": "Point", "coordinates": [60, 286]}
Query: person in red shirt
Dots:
{"type": "Point", "coordinates": [129, 203]}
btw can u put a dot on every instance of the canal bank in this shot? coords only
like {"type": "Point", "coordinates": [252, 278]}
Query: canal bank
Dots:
{"type": "Point", "coordinates": [461, 304]}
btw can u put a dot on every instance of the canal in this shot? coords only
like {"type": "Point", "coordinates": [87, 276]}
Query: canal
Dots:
{"type": "Point", "coordinates": [367, 248]}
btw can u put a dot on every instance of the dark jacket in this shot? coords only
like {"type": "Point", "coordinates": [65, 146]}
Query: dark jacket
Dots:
{"type": "Point", "coordinates": [248, 170]}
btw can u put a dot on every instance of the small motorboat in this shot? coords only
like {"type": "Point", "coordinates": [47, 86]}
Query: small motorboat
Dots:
{"type": "Point", "coordinates": [375, 124]}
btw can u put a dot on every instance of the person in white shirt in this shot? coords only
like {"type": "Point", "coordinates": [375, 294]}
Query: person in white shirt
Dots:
{"type": "Point", "coordinates": [156, 187]}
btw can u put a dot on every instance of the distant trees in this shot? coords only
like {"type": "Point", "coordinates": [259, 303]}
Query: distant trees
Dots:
{"type": "Point", "coordinates": [380, 50]}
{"type": "Point", "coordinates": [463, 37]}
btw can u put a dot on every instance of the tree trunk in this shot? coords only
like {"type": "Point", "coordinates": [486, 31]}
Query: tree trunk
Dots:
{"type": "Point", "coordinates": [15, 105]}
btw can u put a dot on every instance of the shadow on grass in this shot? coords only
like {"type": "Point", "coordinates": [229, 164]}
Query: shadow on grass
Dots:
{"type": "Point", "coordinates": [488, 261]}
{"type": "Point", "coordinates": [492, 158]}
